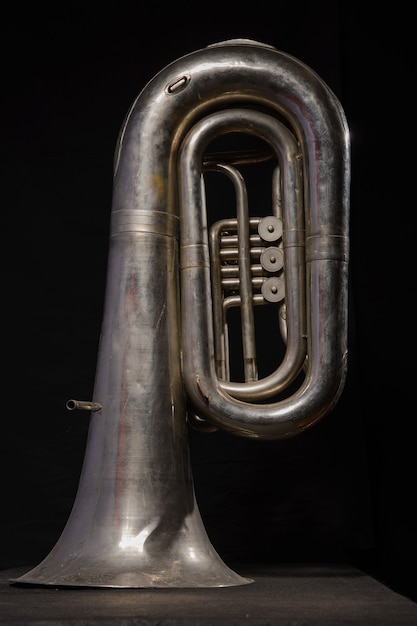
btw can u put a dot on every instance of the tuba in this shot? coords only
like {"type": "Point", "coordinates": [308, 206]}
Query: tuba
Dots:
{"type": "Point", "coordinates": [176, 277]}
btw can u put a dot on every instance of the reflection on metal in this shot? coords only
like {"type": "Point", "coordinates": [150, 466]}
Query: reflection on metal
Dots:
{"type": "Point", "coordinates": [173, 279]}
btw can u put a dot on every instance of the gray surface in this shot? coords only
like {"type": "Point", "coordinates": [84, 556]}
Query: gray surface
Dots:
{"type": "Point", "coordinates": [293, 594]}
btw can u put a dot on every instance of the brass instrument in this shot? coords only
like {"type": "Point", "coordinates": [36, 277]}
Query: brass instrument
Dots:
{"type": "Point", "coordinates": [172, 280]}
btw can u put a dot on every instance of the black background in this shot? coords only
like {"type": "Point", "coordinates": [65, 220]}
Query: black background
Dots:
{"type": "Point", "coordinates": [343, 490]}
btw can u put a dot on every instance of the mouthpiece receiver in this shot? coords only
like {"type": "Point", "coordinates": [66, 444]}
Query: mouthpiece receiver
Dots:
{"type": "Point", "coordinates": [83, 405]}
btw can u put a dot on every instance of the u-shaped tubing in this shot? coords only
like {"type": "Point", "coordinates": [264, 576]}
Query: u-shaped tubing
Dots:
{"type": "Point", "coordinates": [217, 400]}
{"type": "Point", "coordinates": [145, 199]}
{"type": "Point", "coordinates": [195, 261]}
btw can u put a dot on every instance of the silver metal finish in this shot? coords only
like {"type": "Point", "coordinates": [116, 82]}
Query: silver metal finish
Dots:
{"type": "Point", "coordinates": [163, 348]}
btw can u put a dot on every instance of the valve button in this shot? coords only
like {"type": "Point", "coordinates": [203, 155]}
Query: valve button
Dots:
{"type": "Point", "coordinates": [273, 289]}
{"type": "Point", "coordinates": [272, 259]}
{"type": "Point", "coordinates": [270, 228]}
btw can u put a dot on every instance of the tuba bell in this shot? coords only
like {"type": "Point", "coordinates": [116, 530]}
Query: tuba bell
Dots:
{"type": "Point", "coordinates": [174, 277]}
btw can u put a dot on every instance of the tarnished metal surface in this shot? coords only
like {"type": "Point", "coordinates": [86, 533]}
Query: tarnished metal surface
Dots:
{"type": "Point", "coordinates": [135, 522]}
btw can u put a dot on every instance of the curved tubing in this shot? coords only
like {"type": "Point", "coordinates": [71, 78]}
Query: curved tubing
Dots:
{"type": "Point", "coordinates": [193, 230]}
{"type": "Point", "coordinates": [183, 93]}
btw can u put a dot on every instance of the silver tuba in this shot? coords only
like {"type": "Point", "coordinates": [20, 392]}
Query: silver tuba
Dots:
{"type": "Point", "coordinates": [175, 276]}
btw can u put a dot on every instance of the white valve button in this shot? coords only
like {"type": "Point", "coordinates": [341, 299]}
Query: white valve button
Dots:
{"type": "Point", "coordinates": [273, 289]}
{"type": "Point", "coordinates": [270, 228]}
{"type": "Point", "coordinates": [272, 259]}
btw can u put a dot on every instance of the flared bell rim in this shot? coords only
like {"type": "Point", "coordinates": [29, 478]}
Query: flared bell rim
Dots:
{"type": "Point", "coordinates": [216, 574]}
